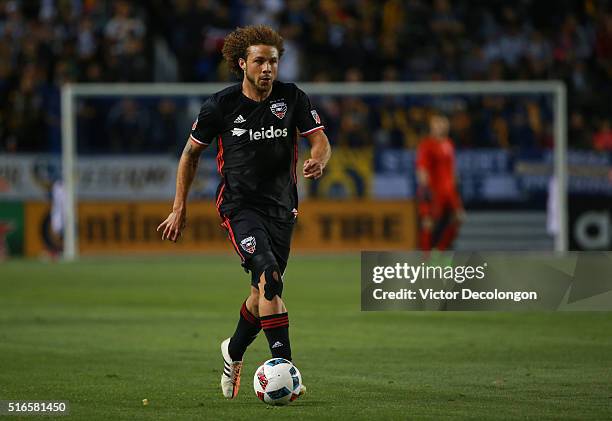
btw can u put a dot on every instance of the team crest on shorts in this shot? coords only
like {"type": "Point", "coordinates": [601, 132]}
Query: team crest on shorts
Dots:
{"type": "Point", "coordinates": [315, 115]}
{"type": "Point", "coordinates": [248, 244]}
{"type": "Point", "coordinates": [279, 109]}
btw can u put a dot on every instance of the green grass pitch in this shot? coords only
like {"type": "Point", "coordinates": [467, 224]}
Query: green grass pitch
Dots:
{"type": "Point", "coordinates": [105, 334]}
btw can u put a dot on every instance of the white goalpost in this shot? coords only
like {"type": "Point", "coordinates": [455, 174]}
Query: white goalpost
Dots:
{"type": "Point", "coordinates": [72, 92]}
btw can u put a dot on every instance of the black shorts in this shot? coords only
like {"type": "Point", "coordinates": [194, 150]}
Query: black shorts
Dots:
{"type": "Point", "coordinates": [253, 234]}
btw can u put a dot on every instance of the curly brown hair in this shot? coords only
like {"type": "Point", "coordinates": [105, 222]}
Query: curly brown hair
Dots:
{"type": "Point", "coordinates": [236, 43]}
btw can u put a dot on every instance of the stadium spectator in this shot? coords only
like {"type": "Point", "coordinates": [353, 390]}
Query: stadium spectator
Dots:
{"type": "Point", "coordinates": [127, 123]}
{"type": "Point", "coordinates": [602, 139]}
{"type": "Point", "coordinates": [444, 20]}
{"type": "Point", "coordinates": [123, 28]}
{"type": "Point", "coordinates": [163, 127]}
{"type": "Point", "coordinates": [574, 41]}
{"type": "Point", "coordinates": [579, 131]}
{"type": "Point", "coordinates": [124, 36]}
{"type": "Point", "coordinates": [25, 114]}
{"type": "Point", "coordinates": [603, 45]}
{"type": "Point", "coordinates": [513, 40]}
{"type": "Point", "coordinates": [87, 40]}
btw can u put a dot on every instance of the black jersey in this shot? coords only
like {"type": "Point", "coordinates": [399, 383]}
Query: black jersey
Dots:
{"type": "Point", "coordinates": [257, 146]}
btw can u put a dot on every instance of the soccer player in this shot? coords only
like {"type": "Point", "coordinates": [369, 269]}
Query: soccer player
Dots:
{"type": "Point", "coordinates": [256, 125]}
{"type": "Point", "coordinates": [439, 204]}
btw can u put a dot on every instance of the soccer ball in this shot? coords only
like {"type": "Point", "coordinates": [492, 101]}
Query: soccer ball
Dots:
{"type": "Point", "coordinates": [277, 382]}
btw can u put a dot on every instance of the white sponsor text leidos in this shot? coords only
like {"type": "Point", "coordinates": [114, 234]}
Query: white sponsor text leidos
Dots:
{"type": "Point", "coordinates": [270, 133]}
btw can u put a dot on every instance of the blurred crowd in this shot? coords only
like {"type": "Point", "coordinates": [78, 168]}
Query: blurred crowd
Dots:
{"type": "Point", "coordinates": [45, 43]}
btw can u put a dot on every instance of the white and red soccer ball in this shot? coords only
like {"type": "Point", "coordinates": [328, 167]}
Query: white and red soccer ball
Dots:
{"type": "Point", "coordinates": [277, 382]}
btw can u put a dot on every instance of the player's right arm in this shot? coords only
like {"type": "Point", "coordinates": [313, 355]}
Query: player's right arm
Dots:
{"type": "Point", "coordinates": [187, 168]}
{"type": "Point", "coordinates": [204, 129]}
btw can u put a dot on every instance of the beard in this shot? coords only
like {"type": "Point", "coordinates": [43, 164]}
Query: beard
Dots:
{"type": "Point", "coordinates": [253, 82]}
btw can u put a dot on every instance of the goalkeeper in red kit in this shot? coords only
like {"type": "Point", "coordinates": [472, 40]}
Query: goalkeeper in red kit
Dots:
{"type": "Point", "coordinates": [439, 204]}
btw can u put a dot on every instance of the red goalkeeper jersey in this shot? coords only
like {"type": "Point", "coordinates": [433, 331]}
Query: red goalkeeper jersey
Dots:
{"type": "Point", "coordinates": [437, 159]}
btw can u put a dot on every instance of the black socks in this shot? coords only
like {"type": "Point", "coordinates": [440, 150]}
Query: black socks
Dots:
{"type": "Point", "coordinates": [246, 332]}
{"type": "Point", "coordinates": [276, 328]}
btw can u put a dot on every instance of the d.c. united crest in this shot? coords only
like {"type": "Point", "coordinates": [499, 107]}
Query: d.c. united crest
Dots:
{"type": "Point", "coordinates": [248, 244]}
{"type": "Point", "coordinates": [279, 109]}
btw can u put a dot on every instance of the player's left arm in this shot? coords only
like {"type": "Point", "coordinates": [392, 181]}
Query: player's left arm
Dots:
{"type": "Point", "coordinates": [320, 152]}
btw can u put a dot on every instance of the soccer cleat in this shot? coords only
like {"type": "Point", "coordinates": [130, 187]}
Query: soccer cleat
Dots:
{"type": "Point", "coordinates": [230, 378]}
{"type": "Point", "coordinates": [301, 393]}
